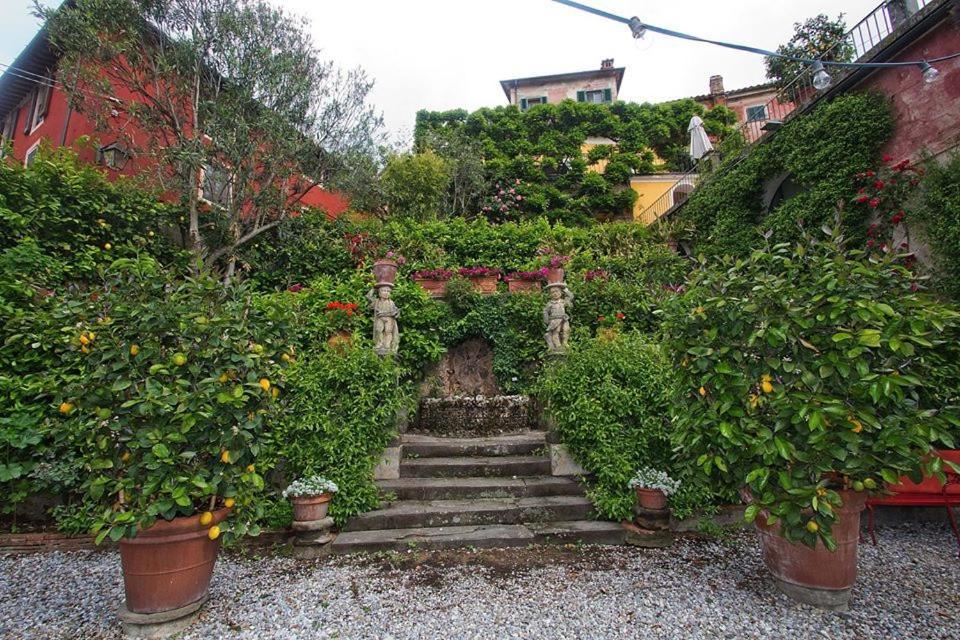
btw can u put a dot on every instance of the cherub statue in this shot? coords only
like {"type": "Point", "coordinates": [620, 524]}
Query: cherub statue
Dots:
{"type": "Point", "coordinates": [386, 333]}
{"type": "Point", "coordinates": [556, 319]}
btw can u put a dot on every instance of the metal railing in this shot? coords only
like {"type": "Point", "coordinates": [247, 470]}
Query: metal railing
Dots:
{"type": "Point", "coordinates": [862, 38]}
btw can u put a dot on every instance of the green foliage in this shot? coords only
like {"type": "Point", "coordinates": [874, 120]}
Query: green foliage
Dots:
{"type": "Point", "coordinates": [807, 369]}
{"type": "Point", "coordinates": [415, 184]}
{"type": "Point", "coordinates": [939, 217]}
{"type": "Point", "coordinates": [174, 383]}
{"type": "Point", "coordinates": [820, 152]}
{"type": "Point", "coordinates": [608, 401]}
{"type": "Point", "coordinates": [535, 160]}
{"type": "Point", "coordinates": [339, 421]}
{"type": "Point", "coordinates": [817, 38]}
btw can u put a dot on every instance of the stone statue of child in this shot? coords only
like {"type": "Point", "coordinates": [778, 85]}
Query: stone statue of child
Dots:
{"type": "Point", "coordinates": [386, 333]}
{"type": "Point", "coordinates": [556, 319]}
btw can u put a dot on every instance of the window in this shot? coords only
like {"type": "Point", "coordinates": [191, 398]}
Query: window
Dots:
{"type": "Point", "coordinates": [31, 154]}
{"type": "Point", "coordinates": [757, 113]}
{"type": "Point", "coordinates": [39, 106]}
{"type": "Point", "coordinates": [595, 96]}
{"type": "Point", "coordinates": [526, 103]}
{"type": "Point", "coordinates": [216, 185]}
{"type": "Point", "coordinates": [9, 128]}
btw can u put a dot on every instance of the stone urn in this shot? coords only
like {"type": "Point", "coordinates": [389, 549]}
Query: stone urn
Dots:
{"type": "Point", "coordinates": [385, 271]}
{"type": "Point", "coordinates": [310, 508]}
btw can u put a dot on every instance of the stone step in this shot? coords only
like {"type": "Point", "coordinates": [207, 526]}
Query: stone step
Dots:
{"type": "Point", "coordinates": [478, 536]}
{"type": "Point", "coordinates": [408, 514]}
{"type": "Point", "coordinates": [461, 488]}
{"type": "Point", "coordinates": [423, 446]}
{"type": "Point", "coordinates": [471, 467]}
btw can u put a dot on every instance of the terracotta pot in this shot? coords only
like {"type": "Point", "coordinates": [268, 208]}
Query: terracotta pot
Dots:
{"type": "Point", "coordinates": [436, 288]}
{"type": "Point", "coordinates": [385, 271]}
{"type": "Point", "coordinates": [816, 576]}
{"type": "Point", "coordinates": [169, 564]}
{"type": "Point", "coordinates": [523, 286]}
{"type": "Point", "coordinates": [651, 498]}
{"type": "Point", "coordinates": [340, 340]}
{"type": "Point", "coordinates": [311, 508]}
{"type": "Point", "coordinates": [554, 276]}
{"type": "Point", "coordinates": [485, 285]}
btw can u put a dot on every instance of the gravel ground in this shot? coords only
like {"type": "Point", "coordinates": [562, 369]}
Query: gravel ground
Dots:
{"type": "Point", "coordinates": [909, 587]}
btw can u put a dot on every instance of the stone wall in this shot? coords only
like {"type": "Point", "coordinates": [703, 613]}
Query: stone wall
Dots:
{"type": "Point", "coordinates": [475, 416]}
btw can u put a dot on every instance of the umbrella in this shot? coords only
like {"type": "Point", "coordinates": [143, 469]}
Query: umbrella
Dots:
{"type": "Point", "coordinates": [699, 142]}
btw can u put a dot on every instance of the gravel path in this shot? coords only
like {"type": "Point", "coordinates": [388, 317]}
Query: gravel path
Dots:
{"type": "Point", "coordinates": [909, 587]}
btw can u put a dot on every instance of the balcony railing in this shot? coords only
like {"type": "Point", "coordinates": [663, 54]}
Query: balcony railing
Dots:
{"type": "Point", "coordinates": [863, 38]}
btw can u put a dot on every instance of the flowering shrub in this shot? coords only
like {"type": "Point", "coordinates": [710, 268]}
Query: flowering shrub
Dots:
{"type": "Point", "coordinates": [310, 486]}
{"type": "Point", "coordinates": [432, 274]}
{"type": "Point", "coordinates": [505, 200]}
{"type": "Point", "coordinates": [396, 257]}
{"type": "Point", "coordinates": [478, 272]}
{"type": "Point", "coordinates": [882, 194]}
{"type": "Point", "coordinates": [803, 370]}
{"type": "Point", "coordinates": [611, 320]}
{"type": "Point", "coordinates": [529, 276]}
{"type": "Point", "coordinates": [596, 274]}
{"type": "Point", "coordinates": [340, 315]}
{"type": "Point", "coordinates": [654, 479]}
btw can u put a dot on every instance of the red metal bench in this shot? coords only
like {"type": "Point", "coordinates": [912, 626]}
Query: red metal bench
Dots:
{"type": "Point", "coordinates": [928, 493]}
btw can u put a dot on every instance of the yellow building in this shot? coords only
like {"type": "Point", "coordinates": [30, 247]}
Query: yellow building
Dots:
{"type": "Point", "coordinates": [660, 191]}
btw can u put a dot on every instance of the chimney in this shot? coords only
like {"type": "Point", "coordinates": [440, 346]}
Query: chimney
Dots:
{"type": "Point", "coordinates": [716, 86]}
{"type": "Point", "coordinates": [607, 64]}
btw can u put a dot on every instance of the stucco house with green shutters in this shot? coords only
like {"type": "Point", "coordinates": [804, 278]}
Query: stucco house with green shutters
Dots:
{"type": "Point", "coordinates": [598, 85]}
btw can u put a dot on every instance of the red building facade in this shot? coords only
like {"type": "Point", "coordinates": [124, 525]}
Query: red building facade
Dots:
{"type": "Point", "coordinates": [35, 111]}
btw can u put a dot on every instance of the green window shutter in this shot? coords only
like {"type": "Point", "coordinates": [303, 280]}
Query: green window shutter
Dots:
{"type": "Point", "coordinates": [543, 99]}
{"type": "Point", "coordinates": [523, 104]}
{"type": "Point", "coordinates": [607, 95]}
{"type": "Point", "coordinates": [581, 96]}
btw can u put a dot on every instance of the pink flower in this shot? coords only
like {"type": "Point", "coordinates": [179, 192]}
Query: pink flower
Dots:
{"type": "Point", "coordinates": [870, 243]}
{"type": "Point", "coordinates": [519, 198]}
{"type": "Point", "coordinates": [295, 288]}
{"type": "Point", "coordinates": [914, 287]}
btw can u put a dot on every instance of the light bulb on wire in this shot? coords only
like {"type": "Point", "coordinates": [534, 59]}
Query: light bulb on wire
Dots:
{"type": "Point", "coordinates": [930, 73]}
{"type": "Point", "coordinates": [821, 79]}
{"type": "Point", "coordinates": [637, 28]}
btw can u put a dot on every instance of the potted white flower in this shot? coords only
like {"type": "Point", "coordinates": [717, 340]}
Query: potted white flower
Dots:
{"type": "Point", "coordinates": [653, 487]}
{"type": "Point", "coordinates": [310, 497]}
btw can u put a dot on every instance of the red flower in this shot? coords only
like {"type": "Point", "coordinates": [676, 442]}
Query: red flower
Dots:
{"type": "Point", "coordinates": [887, 157]}
{"type": "Point", "coordinates": [878, 185]}
{"type": "Point", "coordinates": [870, 174]}
{"type": "Point", "coordinates": [874, 203]}
{"type": "Point", "coordinates": [620, 316]}
{"type": "Point", "coordinates": [914, 286]}
{"type": "Point", "coordinates": [870, 243]}
{"type": "Point", "coordinates": [896, 218]}
{"type": "Point", "coordinates": [862, 199]}
{"type": "Point", "coordinates": [600, 318]}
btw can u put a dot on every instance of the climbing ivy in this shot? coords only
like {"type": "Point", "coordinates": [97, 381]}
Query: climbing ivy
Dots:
{"type": "Point", "coordinates": [819, 152]}
{"type": "Point", "coordinates": [939, 218]}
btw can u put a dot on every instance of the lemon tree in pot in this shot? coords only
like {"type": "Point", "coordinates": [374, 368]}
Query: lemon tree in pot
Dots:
{"type": "Point", "coordinates": [176, 380]}
{"type": "Point", "coordinates": [807, 375]}
{"type": "Point", "coordinates": [310, 497]}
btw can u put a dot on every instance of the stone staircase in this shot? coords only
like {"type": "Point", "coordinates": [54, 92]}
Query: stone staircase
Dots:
{"type": "Point", "coordinates": [483, 492]}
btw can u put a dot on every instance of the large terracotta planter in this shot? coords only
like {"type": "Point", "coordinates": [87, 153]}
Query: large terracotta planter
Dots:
{"type": "Point", "coordinates": [311, 508]}
{"type": "Point", "coordinates": [554, 276]}
{"type": "Point", "coordinates": [485, 285]}
{"type": "Point", "coordinates": [654, 499]}
{"type": "Point", "coordinates": [385, 271]}
{"type": "Point", "coordinates": [436, 288]}
{"type": "Point", "coordinates": [817, 576]}
{"type": "Point", "coordinates": [169, 565]}
{"type": "Point", "coordinates": [523, 286]}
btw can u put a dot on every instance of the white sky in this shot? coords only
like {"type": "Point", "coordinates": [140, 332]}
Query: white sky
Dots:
{"type": "Point", "coordinates": [445, 54]}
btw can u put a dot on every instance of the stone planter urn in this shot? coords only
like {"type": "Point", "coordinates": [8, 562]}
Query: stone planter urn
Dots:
{"type": "Point", "coordinates": [434, 287]}
{"type": "Point", "coordinates": [523, 286]}
{"type": "Point", "coordinates": [311, 508]}
{"type": "Point", "coordinates": [385, 271]}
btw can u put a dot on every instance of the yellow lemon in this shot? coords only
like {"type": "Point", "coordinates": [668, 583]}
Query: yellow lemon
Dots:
{"type": "Point", "coordinates": [264, 384]}
{"type": "Point", "coordinates": [275, 392]}
{"type": "Point", "coordinates": [66, 407]}
{"type": "Point", "coordinates": [150, 233]}
{"type": "Point", "coordinates": [134, 350]}
{"type": "Point", "coordinates": [703, 391]}
{"type": "Point", "coordinates": [256, 348]}
{"type": "Point", "coordinates": [179, 359]}
{"type": "Point", "coordinates": [85, 349]}
{"type": "Point", "coordinates": [206, 518]}
{"type": "Point", "coordinates": [251, 468]}
{"type": "Point", "coordinates": [225, 456]}
{"type": "Point", "coordinates": [229, 502]}
{"type": "Point", "coordinates": [766, 386]}
{"type": "Point", "coordinates": [812, 526]}
{"type": "Point", "coordinates": [84, 339]}
{"type": "Point", "coordinates": [223, 378]}
{"type": "Point", "coordinates": [125, 456]}
{"type": "Point", "coordinates": [214, 532]}
{"type": "Point", "coordinates": [286, 357]}
{"type": "Point", "coordinates": [108, 246]}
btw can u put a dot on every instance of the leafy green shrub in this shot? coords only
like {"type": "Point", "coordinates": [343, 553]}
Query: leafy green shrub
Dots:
{"type": "Point", "coordinates": [806, 369]}
{"type": "Point", "coordinates": [176, 382]}
{"type": "Point", "coordinates": [340, 417]}
{"type": "Point", "coordinates": [608, 401]}
{"type": "Point", "coordinates": [416, 184]}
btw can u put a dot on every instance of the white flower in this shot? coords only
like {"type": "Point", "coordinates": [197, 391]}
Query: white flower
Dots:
{"type": "Point", "coordinates": [647, 478]}
{"type": "Point", "coordinates": [312, 486]}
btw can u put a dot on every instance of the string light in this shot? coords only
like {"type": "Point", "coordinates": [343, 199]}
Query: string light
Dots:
{"type": "Point", "coordinates": [821, 79]}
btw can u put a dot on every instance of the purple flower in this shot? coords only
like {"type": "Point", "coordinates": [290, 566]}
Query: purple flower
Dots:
{"type": "Point", "coordinates": [596, 274]}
